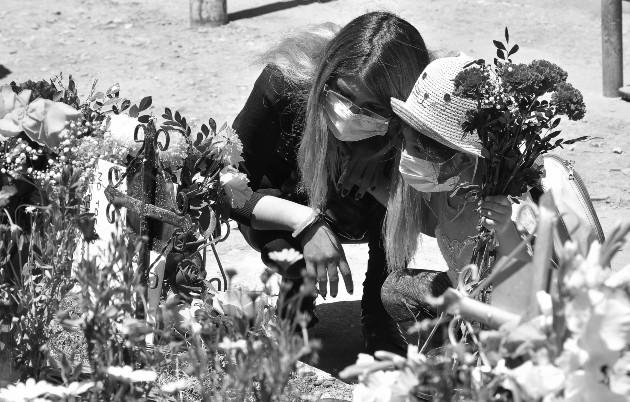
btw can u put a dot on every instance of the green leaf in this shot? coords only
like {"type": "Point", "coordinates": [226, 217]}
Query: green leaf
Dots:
{"type": "Point", "coordinates": [144, 118]}
{"type": "Point", "coordinates": [145, 103]}
{"type": "Point", "coordinates": [513, 50]}
{"type": "Point", "coordinates": [507, 36]}
{"type": "Point", "coordinates": [126, 103]}
{"type": "Point", "coordinates": [583, 138]}
{"type": "Point", "coordinates": [213, 125]}
{"type": "Point", "coordinates": [134, 111]}
{"type": "Point", "coordinates": [198, 140]}
{"type": "Point", "coordinates": [205, 130]}
{"type": "Point", "coordinates": [499, 45]}
{"type": "Point", "coordinates": [500, 54]}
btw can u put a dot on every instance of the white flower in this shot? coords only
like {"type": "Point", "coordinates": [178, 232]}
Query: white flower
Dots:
{"type": "Point", "coordinates": [227, 145]}
{"type": "Point", "coordinates": [376, 387]}
{"type": "Point", "coordinates": [174, 386]}
{"type": "Point", "coordinates": [619, 278]}
{"type": "Point", "coordinates": [539, 380]}
{"type": "Point", "coordinates": [227, 344]}
{"type": "Point", "coordinates": [235, 185]}
{"type": "Point", "coordinates": [121, 129]}
{"type": "Point", "coordinates": [234, 303]}
{"type": "Point", "coordinates": [286, 257]}
{"type": "Point", "coordinates": [127, 374]}
{"type": "Point", "coordinates": [26, 391]}
{"type": "Point", "coordinates": [187, 315]}
{"type": "Point", "coordinates": [177, 148]}
{"type": "Point", "coordinates": [583, 387]}
{"type": "Point", "coordinates": [74, 389]}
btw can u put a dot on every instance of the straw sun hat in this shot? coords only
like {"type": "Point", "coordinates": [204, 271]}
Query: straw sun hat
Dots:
{"type": "Point", "coordinates": [434, 111]}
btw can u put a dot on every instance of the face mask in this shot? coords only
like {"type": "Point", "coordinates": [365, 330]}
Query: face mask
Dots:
{"type": "Point", "coordinates": [348, 126]}
{"type": "Point", "coordinates": [432, 177]}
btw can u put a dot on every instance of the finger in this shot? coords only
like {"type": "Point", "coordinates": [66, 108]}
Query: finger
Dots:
{"type": "Point", "coordinates": [322, 280]}
{"type": "Point", "coordinates": [499, 199]}
{"type": "Point", "coordinates": [364, 182]}
{"type": "Point", "coordinates": [333, 278]}
{"type": "Point", "coordinates": [494, 214]}
{"type": "Point", "coordinates": [344, 185]}
{"type": "Point", "coordinates": [498, 208]}
{"type": "Point", "coordinates": [488, 223]}
{"type": "Point", "coordinates": [310, 268]}
{"type": "Point", "coordinates": [346, 274]}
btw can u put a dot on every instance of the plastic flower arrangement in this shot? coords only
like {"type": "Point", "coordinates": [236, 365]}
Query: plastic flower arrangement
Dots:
{"type": "Point", "coordinates": [516, 118]}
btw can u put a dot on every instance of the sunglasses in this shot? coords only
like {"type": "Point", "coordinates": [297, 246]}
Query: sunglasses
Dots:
{"type": "Point", "coordinates": [350, 105]}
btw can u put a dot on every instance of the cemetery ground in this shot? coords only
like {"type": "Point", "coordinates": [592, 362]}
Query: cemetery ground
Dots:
{"type": "Point", "coordinates": [148, 47]}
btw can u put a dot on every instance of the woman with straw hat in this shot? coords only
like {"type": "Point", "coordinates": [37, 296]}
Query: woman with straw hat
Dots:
{"type": "Point", "coordinates": [437, 157]}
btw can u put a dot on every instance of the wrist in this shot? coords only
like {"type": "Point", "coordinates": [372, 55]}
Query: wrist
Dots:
{"type": "Point", "coordinates": [313, 219]}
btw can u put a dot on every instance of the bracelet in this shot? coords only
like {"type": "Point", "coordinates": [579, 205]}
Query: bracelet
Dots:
{"type": "Point", "coordinates": [315, 217]}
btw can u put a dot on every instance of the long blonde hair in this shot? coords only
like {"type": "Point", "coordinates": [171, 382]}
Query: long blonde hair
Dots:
{"type": "Point", "coordinates": [387, 54]}
{"type": "Point", "coordinates": [297, 57]}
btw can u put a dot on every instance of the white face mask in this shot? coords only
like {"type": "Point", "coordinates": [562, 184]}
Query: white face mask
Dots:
{"type": "Point", "coordinates": [348, 126]}
{"type": "Point", "coordinates": [424, 175]}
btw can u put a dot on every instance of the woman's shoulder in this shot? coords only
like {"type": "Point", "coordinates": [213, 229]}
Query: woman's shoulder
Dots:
{"type": "Point", "coordinates": [273, 83]}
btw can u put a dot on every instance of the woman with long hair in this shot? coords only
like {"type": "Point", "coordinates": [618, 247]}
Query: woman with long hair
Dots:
{"type": "Point", "coordinates": [319, 141]}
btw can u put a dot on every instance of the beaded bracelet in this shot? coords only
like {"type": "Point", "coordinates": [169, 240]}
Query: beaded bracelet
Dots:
{"type": "Point", "coordinates": [315, 217]}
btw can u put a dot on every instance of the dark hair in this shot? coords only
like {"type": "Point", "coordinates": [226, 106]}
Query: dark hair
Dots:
{"type": "Point", "coordinates": [388, 54]}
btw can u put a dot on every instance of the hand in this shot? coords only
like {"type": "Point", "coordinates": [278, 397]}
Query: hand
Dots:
{"type": "Point", "coordinates": [360, 168]}
{"type": "Point", "coordinates": [323, 254]}
{"type": "Point", "coordinates": [496, 213]}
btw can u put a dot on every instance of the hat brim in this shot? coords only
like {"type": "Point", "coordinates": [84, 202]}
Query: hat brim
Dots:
{"type": "Point", "coordinates": [401, 109]}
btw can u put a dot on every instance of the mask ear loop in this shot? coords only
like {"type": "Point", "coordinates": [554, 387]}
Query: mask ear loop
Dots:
{"type": "Point", "coordinates": [475, 169]}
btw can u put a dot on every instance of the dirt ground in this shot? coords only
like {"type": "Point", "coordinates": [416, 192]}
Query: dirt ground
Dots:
{"type": "Point", "coordinates": [149, 48]}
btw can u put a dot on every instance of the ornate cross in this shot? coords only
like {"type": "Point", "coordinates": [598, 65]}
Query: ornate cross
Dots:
{"type": "Point", "coordinates": [145, 208]}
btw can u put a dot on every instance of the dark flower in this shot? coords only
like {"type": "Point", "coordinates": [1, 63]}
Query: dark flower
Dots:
{"type": "Point", "coordinates": [520, 78]}
{"type": "Point", "coordinates": [551, 73]}
{"type": "Point", "coordinates": [569, 101]}
{"type": "Point", "coordinates": [469, 83]}
{"type": "Point", "coordinates": [86, 222]}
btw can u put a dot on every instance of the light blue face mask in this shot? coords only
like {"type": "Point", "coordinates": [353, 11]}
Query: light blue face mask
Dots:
{"type": "Point", "coordinates": [349, 126]}
{"type": "Point", "coordinates": [430, 177]}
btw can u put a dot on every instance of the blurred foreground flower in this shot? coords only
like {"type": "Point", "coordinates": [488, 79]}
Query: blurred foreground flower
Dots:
{"type": "Point", "coordinates": [234, 303]}
{"type": "Point", "coordinates": [25, 391]}
{"type": "Point", "coordinates": [177, 385]}
{"type": "Point", "coordinates": [228, 344]}
{"type": "Point", "coordinates": [286, 257]}
{"type": "Point", "coordinates": [129, 375]}
{"type": "Point", "coordinates": [74, 389]}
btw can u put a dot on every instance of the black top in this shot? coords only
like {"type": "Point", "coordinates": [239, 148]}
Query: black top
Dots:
{"type": "Point", "coordinates": [270, 127]}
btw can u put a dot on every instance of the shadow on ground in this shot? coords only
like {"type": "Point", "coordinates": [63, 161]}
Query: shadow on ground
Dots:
{"type": "Point", "coordinates": [339, 329]}
{"type": "Point", "coordinates": [271, 8]}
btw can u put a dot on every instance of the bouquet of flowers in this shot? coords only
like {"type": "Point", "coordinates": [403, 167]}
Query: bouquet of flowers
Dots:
{"type": "Point", "coordinates": [516, 120]}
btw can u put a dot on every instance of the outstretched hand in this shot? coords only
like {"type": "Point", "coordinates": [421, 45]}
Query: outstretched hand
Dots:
{"type": "Point", "coordinates": [323, 255]}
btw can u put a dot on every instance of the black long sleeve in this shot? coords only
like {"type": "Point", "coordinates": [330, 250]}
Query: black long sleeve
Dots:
{"type": "Point", "coordinates": [269, 126]}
